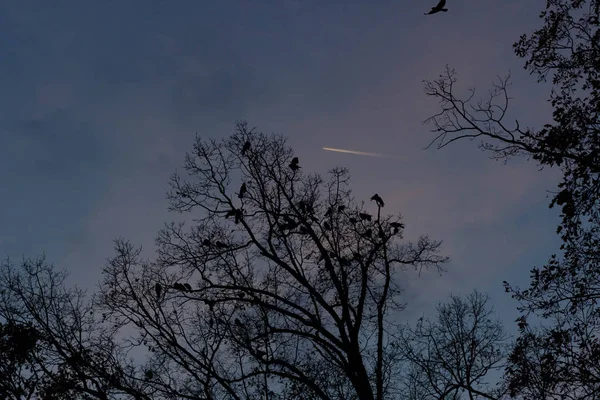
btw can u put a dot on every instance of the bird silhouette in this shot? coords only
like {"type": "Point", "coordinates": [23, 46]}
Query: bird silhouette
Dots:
{"type": "Point", "coordinates": [341, 208]}
{"type": "Point", "coordinates": [294, 164]}
{"type": "Point", "coordinates": [352, 220]}
{"type": "Point", "coordinates": [438, 8]}
{"type": "Point", "coordinates": [396, 226]}
{"type": "Point", "coordinates": [158, 289]}
{"type": "Point", "coordinates": [179, 286]}
{"type": "Point", "coordinates": [246, 147]}
{"type": "Point", "coordinates": [238, 216]}
{"type": "Point", "coordinates": [230, 213]}
{"type": "Point", "coordinates": [243, 190]}
{"type": "Point", "coordinates": [221, 245]}
{"type": "Point", "coordinates": [206, 242]}
{"type": "Point", "coordinates": [364, 216]}
{"type": "Point", "coordinates": [378, 200]}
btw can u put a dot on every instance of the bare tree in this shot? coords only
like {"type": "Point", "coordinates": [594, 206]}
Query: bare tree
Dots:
{"type": "Point", "coordinates": [53, 346]}
{"type": "Point", "coordinates": [455, 354]}
{"type": "Point", "coordinates": [283, 288]}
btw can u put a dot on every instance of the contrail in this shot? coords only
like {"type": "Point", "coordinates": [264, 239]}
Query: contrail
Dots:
{"type": "Point", "coordinates": [361, 153]}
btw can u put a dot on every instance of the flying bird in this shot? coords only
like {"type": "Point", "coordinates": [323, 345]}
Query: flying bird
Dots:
{"type": "Point", "coordinates": [378, 200]}
{"type": "Point", "coordinates": [246, 147]}
{"type": "Point", "coordinates": [438, 8]}
{"type": "Point", "coordinates": [243, 191]}
{"type": "Point", "coordinates": [294, 164]}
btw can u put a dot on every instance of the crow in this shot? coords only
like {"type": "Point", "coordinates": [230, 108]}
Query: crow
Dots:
{"type": "Point", "coordinates": [243, 190]}
{"type": "Point", "coordinates": [438, 8]}
{"type": "Point", "coordinates": [238, 216]}
{"type": "Point", "coordinates": [230, 213]}
{"type": "Point", "coordinates": [294, 164]}
{"type": "Point", "coordinates": [206, 242]}
{"type": "Point", "coordinates": [396, 226]}
{"type": "Point", "coordinates": [364, 216]}
{"type": "Point", "coordinates": [179, 286]}
{"type": "Point", "coordinates": [378, 200]}
{"type": "Point", "coordinates": [158, 289]}
{"type": "Point", "coordinates": [352, 220]}
{"type": "Point", "coordinates": [341, 208]}
{"type": "Point", "coordinates": [246, 147]}
{"type": "Point", "coordinates": [221, 245]}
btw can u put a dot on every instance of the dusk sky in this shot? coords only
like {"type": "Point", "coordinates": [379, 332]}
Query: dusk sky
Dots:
{"type": "Point", "coordinates": [102, 99]}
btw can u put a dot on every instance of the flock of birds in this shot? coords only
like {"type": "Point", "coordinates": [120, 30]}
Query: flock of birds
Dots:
{"type": "Point", "coordinates": [290, 224]}
{"type": "Point", "coordinates": [294, 166]}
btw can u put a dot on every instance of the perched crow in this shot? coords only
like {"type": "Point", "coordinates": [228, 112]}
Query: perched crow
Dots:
{"type": "Point", "coordinates": [364, 216]}
{"type": "Point", "coordinates": [243, 190]}
{"type": "Point", "coordinates": [396, 226]}
{"type": "Point", "coordinates": [230, 213]}
{"type": "Point", "coordinates": [294, 164]}
{"type": "Point", "coordinates": [378, 200]}
{"type": "Point", "coordinates": [158, 289]}
{"type": "Point", "coordinates": [179, 286]}
{"type": "Point", "coordinates": [206, 242]}
{"type": "Point", "coordinates": [188, 287]}
{"type": "Point", "coordinates": [238, 216]}
{"type": "Point", "coordinates": [341, 208]}
{"type": "Point", "coordinates": [246, 147]}
{"type": "Point", "coordinates": [438, 8]}
{"type": "Point", "coordinates": [353, 220]}
{"type": "Point", "coordinates": [221, 245]}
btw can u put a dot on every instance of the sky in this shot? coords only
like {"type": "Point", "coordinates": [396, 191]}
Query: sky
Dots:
{"type": "Point", "coordinates": [101, 100]}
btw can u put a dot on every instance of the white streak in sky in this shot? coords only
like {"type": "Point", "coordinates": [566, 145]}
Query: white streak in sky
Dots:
{"type": "Point", "coordinates": [361, 153]}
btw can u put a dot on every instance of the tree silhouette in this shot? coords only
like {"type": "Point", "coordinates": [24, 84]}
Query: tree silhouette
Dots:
{"type": "Point", "coordinates": [293, 304]}
{"type": "Point", "coordinates": [565, 291]}
{"type": "Point", "coordinates": [52, 344]}
{"type": "Point", "coordinates": [455, 353]}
